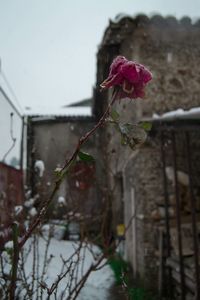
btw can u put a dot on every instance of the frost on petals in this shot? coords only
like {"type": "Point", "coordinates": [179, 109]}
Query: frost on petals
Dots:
{"type": "Point", "coordinates": [129, 76]}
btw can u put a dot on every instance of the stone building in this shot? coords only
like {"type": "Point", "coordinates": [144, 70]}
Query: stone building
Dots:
{"type": "Point", "coordinates": [170, 49]}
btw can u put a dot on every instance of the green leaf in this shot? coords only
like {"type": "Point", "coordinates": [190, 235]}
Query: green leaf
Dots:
{"type": "Point", "coordinates": [114, 115]}
{"type": "Point", "coordinates": [85, 156]}
{"type": "Point", "coordinates": [146, 125]}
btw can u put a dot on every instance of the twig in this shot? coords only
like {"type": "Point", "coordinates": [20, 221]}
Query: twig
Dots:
{"type": "Point", "coordinates": [33, 265]}
{"type": "Point", "coordinates": [15, 259]}
{"type": "Point", "coordinates": [60, 277]}
{"type": "Point", "coordinates": [66, 263]}
{"type": "Point", "coordinates": [45, 264]}
{"type": "Point", "coordinates": [23, 276]}
{"type": "Point", "coordinates": [82, 281]}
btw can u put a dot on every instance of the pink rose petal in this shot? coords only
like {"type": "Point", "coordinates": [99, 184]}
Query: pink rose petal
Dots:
{"type": "Point", "coordinates": [129, 76]}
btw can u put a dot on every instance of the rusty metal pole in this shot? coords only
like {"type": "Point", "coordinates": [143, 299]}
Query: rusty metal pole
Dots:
{"type": "Point", "coordinates": [193, 214]}
{"type": "Point", "coordinates": [178, 218]}
{"type": "Point", "coordinates": [167, 226]}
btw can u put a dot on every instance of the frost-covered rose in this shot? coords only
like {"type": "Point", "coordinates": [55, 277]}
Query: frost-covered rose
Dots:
{"type": "Point", "coordinates": [130, 76]}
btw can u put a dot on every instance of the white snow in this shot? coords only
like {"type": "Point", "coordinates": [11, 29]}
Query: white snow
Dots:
{"type": "Point", "coordinates": [6, 262]}
{"type": "Point", "coordinates": [28, 194]}
{"type": "Point", "coordinates": [61, 200]}
{"type": "Point", "coordinates": [29, 203]}
{"type": "Point", "coordinates": [32, 212]}
{"type": "Point", "coordinates": [55, 230]}
{"type": "Point", "coordinates": [9, 245]}
{"type": "Point", "coordinates": [18, 209]}
{"type": "Point", "coordinates": [39, 165]}
{"type": "Point", "coordinates": [192, 113]}
{"type": "Point", "coordinates": [46, 229]}
{"type": "Point", "coordinates": [98, 283]}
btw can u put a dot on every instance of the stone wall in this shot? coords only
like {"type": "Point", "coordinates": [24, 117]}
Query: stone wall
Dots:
{"type": "Point", "coordinates": [143, 187]}
{"type": "Point", "coordinates": [170, 49]}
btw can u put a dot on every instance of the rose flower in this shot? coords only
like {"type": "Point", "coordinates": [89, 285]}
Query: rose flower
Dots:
{"type": "Point", "coordinates": [129, 76]}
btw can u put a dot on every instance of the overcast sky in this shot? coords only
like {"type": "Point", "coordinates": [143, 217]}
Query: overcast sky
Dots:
{"type": "Point", "coordinates": [48, 47]}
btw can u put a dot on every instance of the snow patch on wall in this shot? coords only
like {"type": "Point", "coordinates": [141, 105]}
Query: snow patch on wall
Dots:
{"type": "Point", "coordinates": [39, 165]}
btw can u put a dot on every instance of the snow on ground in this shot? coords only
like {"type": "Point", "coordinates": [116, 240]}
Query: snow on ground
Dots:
{"type": "Point", "coordinates": [98, 283]}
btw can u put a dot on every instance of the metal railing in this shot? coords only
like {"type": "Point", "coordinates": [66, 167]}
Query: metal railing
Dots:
{"type": "Point", "coordinates": [180, 148]}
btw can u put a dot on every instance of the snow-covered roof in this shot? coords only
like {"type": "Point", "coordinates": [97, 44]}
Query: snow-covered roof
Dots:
{"type": "Point", "coordinates": [44, 111]}
{"type": "Point", "coordinates": [179, 114]}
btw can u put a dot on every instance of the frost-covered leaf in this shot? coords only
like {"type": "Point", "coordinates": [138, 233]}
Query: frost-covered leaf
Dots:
{"type": "Point", "coordinates": [132, 135]}
{"type": "Point", "coordinates": [126, 128]}
{"type": "Point", "coordinates": [85, 157]}
{"type": "Point", "coordinates": [114, 115]}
